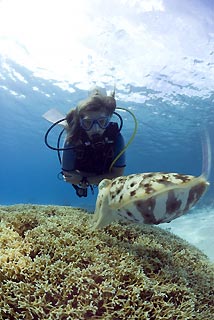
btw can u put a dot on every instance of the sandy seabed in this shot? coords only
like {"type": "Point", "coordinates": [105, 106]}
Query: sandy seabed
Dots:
{"type": "Point", "coordinates": [197, 227]}
{"type": "Point", "coordinates": [54, 266]}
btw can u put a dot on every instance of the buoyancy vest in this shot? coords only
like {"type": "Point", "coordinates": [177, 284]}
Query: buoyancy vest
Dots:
{"type": "Point", "coordinates": [96, 156]}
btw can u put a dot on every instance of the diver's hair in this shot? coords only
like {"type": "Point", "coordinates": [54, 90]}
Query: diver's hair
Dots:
{"type": "Point", "coordinates": [96, 102]}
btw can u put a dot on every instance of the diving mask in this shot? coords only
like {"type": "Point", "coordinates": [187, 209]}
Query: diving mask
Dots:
{"type": "Point", "coordinates": [87, 123]}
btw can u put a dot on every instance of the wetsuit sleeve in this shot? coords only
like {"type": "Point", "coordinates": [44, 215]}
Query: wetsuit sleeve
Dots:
{"type": "Point", "coordinates": [68, 158]}
{"type": "Point", "coordinates": [119, 146]}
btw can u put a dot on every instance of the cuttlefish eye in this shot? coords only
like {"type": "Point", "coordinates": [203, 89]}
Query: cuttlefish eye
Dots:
{"type": "Point", "coordinates": [104, 183]}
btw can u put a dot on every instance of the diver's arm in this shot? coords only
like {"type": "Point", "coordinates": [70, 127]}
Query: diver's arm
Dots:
{"type": "Point", "coordinates": [75, 177]}
{"type": "Point", "coordinates": [115, 172]}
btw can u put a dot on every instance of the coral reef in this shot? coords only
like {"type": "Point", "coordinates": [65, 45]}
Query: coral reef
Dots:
{"type": "Point", "coordinates": [53, 266]}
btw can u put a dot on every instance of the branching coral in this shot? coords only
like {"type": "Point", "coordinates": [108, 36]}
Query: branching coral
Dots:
{"type": "Point", "coordinates": [53, 266]}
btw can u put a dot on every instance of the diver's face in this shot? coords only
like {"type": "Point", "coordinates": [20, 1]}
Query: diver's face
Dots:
{"type": "Point", "coordinates": [94, 123]}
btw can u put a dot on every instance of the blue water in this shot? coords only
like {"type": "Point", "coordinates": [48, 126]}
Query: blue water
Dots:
{"type": "Point", "coordinates": [168, 138]}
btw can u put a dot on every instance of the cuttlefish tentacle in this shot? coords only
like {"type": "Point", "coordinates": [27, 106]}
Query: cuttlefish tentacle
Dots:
{"type": "Point", "coordinates": [102, 204]}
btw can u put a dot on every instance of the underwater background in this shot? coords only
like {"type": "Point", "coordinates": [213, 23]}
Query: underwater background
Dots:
{"type": "Point", "coordinates": [159, 55]}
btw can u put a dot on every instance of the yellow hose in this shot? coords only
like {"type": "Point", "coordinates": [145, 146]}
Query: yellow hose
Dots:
{"type": "Point", "coordinates": [130, 140]}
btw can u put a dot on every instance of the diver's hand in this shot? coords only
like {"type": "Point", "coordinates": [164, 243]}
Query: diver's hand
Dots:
{"type": "Point", "coordinates": [84, 183]}
{"type": "Point", "coordinates": [74, 177]}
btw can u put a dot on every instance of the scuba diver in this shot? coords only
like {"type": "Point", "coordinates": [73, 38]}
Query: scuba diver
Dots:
{"type": "Point", "coordinates": [92, 143]}
{"type": "Point", "coordinates": [94, 147]}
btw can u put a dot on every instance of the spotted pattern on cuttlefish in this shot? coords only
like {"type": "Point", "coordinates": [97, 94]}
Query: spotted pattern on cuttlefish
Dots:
{"type": "Point", "coordinates": [149, 198]}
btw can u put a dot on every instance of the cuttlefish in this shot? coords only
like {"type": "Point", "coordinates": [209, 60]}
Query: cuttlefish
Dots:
{"type": "Point", "coordinates": [150, 198]}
